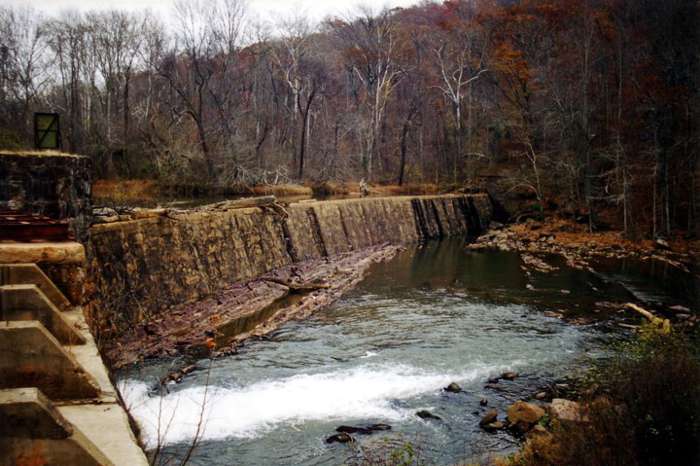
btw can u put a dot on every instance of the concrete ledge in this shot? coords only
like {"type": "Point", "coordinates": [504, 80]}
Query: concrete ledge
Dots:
{"type": "Point", "coordinates": [27, 302]}
{"type": "Point", "coordinates": [34, 432]}
{"type": "Point", "coordinates": [23, 274]}
{"type": "Point", "coordinates": [27, 413]}
{"type": "Point", "coordinates": [50, 253]}
{"type": "Point", "coordinates": [31, 357]}
{"type": "Point", "coordinates": [106, 425]}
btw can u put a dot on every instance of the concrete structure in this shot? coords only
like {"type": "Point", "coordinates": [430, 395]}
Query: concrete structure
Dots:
{"type": "Point", "coordinates": [57, 403]}
{"type": "Point", "coordinates": [34, 432]}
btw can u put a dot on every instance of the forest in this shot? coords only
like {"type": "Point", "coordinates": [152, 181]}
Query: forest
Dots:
{"type": "Point", "coordinates": [589, 105]}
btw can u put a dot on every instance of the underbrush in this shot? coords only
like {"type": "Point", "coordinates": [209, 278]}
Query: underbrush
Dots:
{"type": "Point", "coordinates": [281, 190]}
{"type": "Point", "coordinates": [124, 191]}
{"type": "Point", "coordinates": [332, 188]}
{"type": "Point", "coordinates": [645, 411]}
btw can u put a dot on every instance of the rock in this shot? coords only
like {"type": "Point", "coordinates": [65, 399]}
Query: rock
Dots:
{"type": "Point", "coordinates": [537, 431]}
{"type": "Point", "coordinates": [530, 287]}
{"type": "Point", "coordinates": [483, 402]}
{"type": "Point", "coordinates": [566, 410]}
{"type": "Point", "coordinates": [523, 415]}
{"type": "Point", "coordinates": [104, 212]}
{"type": "Point", "coordinates": [498, 425]}
{"type": "Point", "coordinates": [353, 430]}
{"type": "Point", "coordinates": [490, 417]}
{"type": "Point", "coordinates": [679, 308]}
{"type": "Point", "coordinates": [424, 414]}
{"type": "Point", "coordinates": [453, 388]}
{"type": "Point", "coordinates": [363, 430]}
{"type": "Point", "coordinates": [541, 396]}
{"type": "Point", "coordinates": [509, 375]}
{"type": "Point", "coordinates": [340, 438]}
{"type": "Point", "coordinates": [379, 427]}
{"type": "Point", "coordinates": [661, 243]}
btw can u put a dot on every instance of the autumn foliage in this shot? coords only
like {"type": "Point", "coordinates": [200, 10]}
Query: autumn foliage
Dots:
{"type": "Point", "coordinates": [588, 104]}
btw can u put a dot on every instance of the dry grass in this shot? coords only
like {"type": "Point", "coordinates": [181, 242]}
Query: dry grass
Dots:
{"type": "Point", "coordinates": [352, 188]}
{"type": "Point", "coordinates": [333, 188]}
{"type": "Point", "coordinates": [125, 190]}
{"type": "Point", "coordinates": [647, 413]}
{"type": "Point", "coordinates": [405, 190]}
{"type": "Point", "coordinates": [570, 233]}
{"type": "Point", "coordinates": [281, 190]}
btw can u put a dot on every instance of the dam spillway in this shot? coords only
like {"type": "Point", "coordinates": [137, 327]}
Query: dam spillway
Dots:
{"type": "Point", "coordinates": [141, 267]}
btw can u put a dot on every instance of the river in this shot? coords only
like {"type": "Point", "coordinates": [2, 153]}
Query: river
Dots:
{"type": "Point", "coordinates": [433, 315]}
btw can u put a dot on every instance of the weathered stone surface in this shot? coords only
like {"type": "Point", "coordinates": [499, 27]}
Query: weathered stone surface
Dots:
{"type": "Point", "coordinates": [50, 253]}
{"type": "Point", "coordinates": [48, 183]}
{"type": "Point", "coordinates": [142, 267]}
{"type": "Point", "coordinates": [488, 418]}
{"type": "Point", "coordinates": [566, 410]}
{"type": "Point", "coordinates": [522, 415]}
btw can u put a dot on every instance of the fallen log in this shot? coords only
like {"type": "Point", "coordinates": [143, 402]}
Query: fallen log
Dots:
{"type": "Point", "coordinates": [662, 326]}
{"type": "Point", "coordinates": [262, 201]}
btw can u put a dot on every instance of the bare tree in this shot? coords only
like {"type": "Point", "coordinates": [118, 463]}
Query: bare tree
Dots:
{"type": "Point", "coordinates": [370, 48]}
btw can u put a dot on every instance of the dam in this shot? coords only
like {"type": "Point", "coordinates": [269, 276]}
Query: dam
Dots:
{"type": "Point", "coordinates": [78, 282]}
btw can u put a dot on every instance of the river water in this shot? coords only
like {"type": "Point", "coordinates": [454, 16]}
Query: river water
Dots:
{"type": "Point", "coordinates": [435, 314]}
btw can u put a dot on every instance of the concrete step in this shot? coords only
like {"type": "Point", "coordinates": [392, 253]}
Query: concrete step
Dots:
{"type": "Point", "coordinates": [107, 425]}
{"type": "Point", "coordinates": [34, 432]}
{"type": "Point", "coordinates": [23, 274]}
{"type": "Point", "coordinates": [28, 302]}
{"type": "Point", "coordinates": [30, 356]}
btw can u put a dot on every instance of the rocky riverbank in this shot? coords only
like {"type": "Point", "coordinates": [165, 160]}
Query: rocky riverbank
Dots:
{"type": "Point", "coordinates": [218, 325]}
{"type": "Point", "coordinates": [573, 242]}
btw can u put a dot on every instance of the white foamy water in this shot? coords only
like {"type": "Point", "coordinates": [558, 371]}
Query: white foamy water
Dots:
{"type": "Point", "coordinates": [365, 392]}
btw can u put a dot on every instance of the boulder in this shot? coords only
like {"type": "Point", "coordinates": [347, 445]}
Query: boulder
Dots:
{"type": "Point", "coordinates": [424, 414]}
{"type": "Point", "coordinates": [537, 431]}
{"type": "Point", "coordinates": [453, 388]}
{"type": "Point", "coordinates": [340, 438]}
{"type": "Point", "coordinates": [490, 417]}
{"type": "Point", "coordinates": [522, 415]}
{"type": "Point", "coordinates": [363, 430]}
{"type": "Point", "coordinates": [353, 430]}
{"type": "Point", "coordinates": [484, 401]}
{"type": "Point", "coordinates": [379, 427]}
{"type": "Point", "coordinates": [509, 375]}
{"type": "Point", "coordinates": [566, 410]}
{"type": "Point", "coordinates": [497, 425]}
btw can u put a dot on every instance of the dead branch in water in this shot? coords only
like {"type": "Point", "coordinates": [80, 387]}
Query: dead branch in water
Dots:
{"type": "Point", "coordinates": [663, 326]}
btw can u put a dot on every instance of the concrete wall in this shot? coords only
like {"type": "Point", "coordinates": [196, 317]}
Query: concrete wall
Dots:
{"type": "Point", "coordinates": [48, 183]}
{"type": "Point", "coordinates": [142, 267]}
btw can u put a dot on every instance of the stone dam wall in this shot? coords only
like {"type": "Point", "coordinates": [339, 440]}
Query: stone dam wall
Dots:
{"type": "Point", "coordinates": [52, 184]}
{"type": "Point", "coordinates": [142, 267]}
